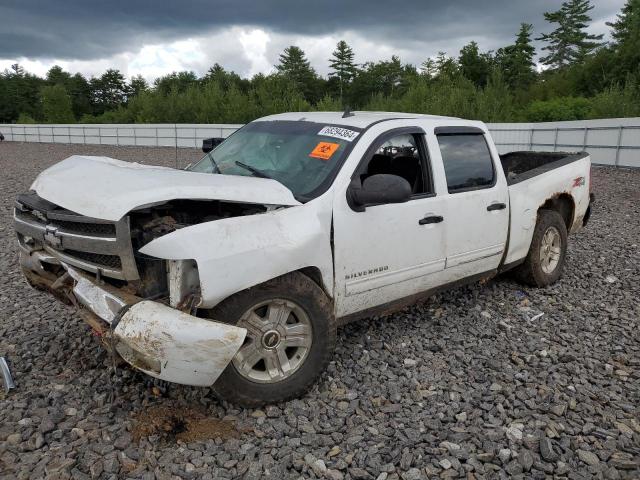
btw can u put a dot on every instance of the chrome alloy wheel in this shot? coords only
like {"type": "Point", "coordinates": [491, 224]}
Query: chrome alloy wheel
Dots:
{"type": "Point", "coordinates": [550, 250]}
{"type": "Point", "coordinates": [279, 337]}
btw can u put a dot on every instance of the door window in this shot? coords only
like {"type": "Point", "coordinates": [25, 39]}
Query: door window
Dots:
{"type": "Point", "coordinates": [467, 162]}
{"type": "Point", "coordinates": [402, 155]}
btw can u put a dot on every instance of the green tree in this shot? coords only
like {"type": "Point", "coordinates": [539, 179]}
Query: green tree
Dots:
{"type": "Point", "coordinates": [569, 43]}
{"type": "Point", "coordinates": [474, 65]}
{"type": "Point", "coordinates": [294, 66]}
{"type": "Point", "coordinates": [428, 68]}
{"type": "Point", "coordinates": [446, 66]}
{"type": "Point", "coordinates": [56, 104]}
{"type": "Point", "coordinates": [109, 91]}
{"type": "Point", "coordinates": [175, 81]}
{"type": "Point", "coordinates": [19, 93]}
{"type": "Point", "coordinates": [342, 65]}
{"type": "Point", "coordinates": [516, 61]}
{"type": "Point", "coordinates": [137, 85]}
{"type": "Point", "coordinates": [626, 45]}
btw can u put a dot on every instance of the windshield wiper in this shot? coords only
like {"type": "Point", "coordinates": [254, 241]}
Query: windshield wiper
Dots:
{"type": "Point", "coordinates": [257, 172]}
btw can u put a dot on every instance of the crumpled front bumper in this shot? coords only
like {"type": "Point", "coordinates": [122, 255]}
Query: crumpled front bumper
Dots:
{"type": "Point", "coordinates": [161, 341]}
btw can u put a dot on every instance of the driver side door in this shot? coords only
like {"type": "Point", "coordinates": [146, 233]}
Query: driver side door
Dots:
{"type": "Point", "coordinates": [386, 252]}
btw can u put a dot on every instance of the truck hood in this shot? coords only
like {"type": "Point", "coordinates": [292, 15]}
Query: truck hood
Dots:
{"type": "Point", "coordinates": [105, 188]}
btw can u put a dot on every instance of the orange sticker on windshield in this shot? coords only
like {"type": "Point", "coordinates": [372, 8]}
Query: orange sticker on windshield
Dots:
{"type": "Point", "coordinates": [324, 150]}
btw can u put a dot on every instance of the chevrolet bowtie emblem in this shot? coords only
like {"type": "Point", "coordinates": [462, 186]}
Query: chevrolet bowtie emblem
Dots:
{"type": "Point", "coordinates": [51, 237]}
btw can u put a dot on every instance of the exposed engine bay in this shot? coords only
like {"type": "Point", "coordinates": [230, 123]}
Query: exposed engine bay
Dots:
{"type": "Point", "coordinates": [110, 250]}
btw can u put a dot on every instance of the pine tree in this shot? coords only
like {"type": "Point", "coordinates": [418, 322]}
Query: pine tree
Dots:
{"type": "Point", "coordinates": [341, 61]}
{"type": "Point", "coordinates": [569, 43]}
{"type": "Point", "coordinates": [474, 65]}
{"type": "Point", "coordinates": [626, 46]}
{"type": "Point", "coordinates": [516, 61]}
{"type": "Point", "coordinates": [295, 67]}
{"type": "Point", "coordinates": [627, 26]}
{"type": "Point", "coordinates": [428, 68]}
{"type": "Point", "coordinates": [137, 85]}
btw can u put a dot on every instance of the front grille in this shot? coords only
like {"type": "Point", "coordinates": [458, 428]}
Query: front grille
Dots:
{"type": "Point", "coordinates": [111, 261]}
{"type": "Point", "coordinates": [87, 243]}
{"type": "Point", "coordinates": [87, 228]}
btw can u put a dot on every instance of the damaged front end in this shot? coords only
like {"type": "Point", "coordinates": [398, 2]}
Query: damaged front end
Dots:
{"type": "Point", "coordinates": [159, 340]}
{"type": "Point", "coordinates": [143, 308]}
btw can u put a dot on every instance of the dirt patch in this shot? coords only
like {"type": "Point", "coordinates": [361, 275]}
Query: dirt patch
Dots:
{"type": "Point", "coordinates": [181, 423]}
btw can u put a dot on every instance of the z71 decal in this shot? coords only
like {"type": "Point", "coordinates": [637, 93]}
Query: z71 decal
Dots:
{"type": "Point", "coordinates": [578, 182]}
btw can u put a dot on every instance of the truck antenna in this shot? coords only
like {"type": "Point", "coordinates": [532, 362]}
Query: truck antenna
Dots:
{"type": "Point", "coordinates": [347, 112]}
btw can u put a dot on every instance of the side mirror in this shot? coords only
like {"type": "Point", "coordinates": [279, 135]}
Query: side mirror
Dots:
{"type": "Point", "coordinates": [209, 144]}
{"type": "Point", "coordinates": [379, 189]}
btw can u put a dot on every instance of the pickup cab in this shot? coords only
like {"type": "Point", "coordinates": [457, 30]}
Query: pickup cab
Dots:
{"type": "Point", "coordinates": [236, 272]}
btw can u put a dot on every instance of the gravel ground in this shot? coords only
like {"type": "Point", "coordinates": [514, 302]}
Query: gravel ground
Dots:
{"type": "Point", "coordinates": [473, 383]}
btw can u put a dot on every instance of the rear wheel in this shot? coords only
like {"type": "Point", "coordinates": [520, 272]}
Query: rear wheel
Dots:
{"type": "Point", "coordinates": [291, 335]}
{"type": "Point", "coordinates": [545, 260]}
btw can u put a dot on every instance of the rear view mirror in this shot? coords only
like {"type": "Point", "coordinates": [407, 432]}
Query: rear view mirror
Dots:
{"type": "Point", "coordinates": [209, 144]}
{"type": "Point", "coordinates": [379, 189]}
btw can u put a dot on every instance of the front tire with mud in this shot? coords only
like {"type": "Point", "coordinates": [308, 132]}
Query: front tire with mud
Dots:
{"type": "Point", "coordinates": [545, 260]}
{"type": "Point", "coordinates": [291, 335]}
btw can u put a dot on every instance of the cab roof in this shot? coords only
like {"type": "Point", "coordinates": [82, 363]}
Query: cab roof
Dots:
{"type": "Point", "coordinates": [357, 119]}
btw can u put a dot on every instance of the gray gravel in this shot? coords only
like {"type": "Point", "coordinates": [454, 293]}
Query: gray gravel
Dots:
{"type": "Point", "coordinates": [473, 383]}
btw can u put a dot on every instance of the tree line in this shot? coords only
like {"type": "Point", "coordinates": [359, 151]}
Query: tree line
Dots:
{"type": "Point", "coordinates": [582, 77]}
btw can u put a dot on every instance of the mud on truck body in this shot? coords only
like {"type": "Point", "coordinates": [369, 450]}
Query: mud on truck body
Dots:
{"type": "Point", "coordinates": [236, 272]}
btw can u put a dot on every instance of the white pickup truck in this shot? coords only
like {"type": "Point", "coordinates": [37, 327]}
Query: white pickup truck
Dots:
{"type": "Point", "coordinates": [235, 272]}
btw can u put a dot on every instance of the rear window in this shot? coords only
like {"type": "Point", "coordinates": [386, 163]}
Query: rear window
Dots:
{"type": "Point", "coordinates": [467, 162]}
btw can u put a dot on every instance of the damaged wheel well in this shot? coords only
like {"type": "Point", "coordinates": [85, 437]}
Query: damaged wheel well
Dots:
{"type": "Point", "coordinates": [314, 274]}
{"type": "Point", "coordinates": [564, 205]}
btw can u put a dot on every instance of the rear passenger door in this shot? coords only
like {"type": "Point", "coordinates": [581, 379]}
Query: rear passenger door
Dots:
{"type": "Point", "coordinates": [477, 202]}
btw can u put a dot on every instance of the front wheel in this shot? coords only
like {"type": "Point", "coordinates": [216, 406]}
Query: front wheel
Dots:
{"type": "Point", "coordinates": [291, 334]}
{"type": "Point", "coordinates": [545, 260]}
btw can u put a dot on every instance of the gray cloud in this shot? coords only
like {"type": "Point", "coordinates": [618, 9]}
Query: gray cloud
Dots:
{"type": "Point", "coordinates": [85, 30]}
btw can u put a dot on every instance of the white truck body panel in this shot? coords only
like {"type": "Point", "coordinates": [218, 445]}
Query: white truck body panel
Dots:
{"type": "Point", "coordinates": [529, 195]}
{"type": "Point", "coordinates": [105, 188]}
{"type": "Point", "coordinates": [236, 253]}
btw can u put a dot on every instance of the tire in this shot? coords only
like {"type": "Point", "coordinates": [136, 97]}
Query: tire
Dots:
{"type": "Point", "coordinates": [254, 386]}
{"type": "Point", "coordinates": [535, 270]}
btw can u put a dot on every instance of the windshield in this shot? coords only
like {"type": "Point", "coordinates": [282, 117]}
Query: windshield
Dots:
{"type": "Point", "coordinates": [300, 155]}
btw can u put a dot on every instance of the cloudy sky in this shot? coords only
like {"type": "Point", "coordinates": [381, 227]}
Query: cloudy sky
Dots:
{"type": "Point", "coordinates": [156, 37]}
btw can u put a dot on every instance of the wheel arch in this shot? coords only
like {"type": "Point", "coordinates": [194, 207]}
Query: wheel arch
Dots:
{"type": "Point", "coordinates": [312, 272]}
{"type": "Point", "coordinates": [564, 204]}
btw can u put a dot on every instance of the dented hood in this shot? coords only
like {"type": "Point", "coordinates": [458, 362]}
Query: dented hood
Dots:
{"type": "Point", "coordinates": [105, 188]}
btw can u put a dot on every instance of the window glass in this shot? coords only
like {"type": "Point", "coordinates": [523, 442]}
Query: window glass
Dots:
{"type": "Point", "coordinates": [400, 156]}
{"type": "Point", "coordinates": [300, 155]}
{"type": "Point", "coordinates": [467, 161]}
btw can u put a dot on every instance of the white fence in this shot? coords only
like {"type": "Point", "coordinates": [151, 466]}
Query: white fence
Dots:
{"type": "Point", "coordinates": [609, 141]}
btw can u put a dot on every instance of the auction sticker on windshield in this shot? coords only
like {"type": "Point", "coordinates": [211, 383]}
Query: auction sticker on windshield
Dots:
{"type": "Point", "coordinates": [339, 132]}
{"type": "Point", "coordinates": [324, 150]}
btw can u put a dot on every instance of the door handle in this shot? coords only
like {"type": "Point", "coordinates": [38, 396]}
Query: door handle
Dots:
{"type": "Point", "coordinates": [496, 206]}
{"type": "Point", "coordinates": [431, 219]}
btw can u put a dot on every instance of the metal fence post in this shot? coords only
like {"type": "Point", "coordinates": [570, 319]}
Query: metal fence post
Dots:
{"type": "Point", "coordinates": [117, 136]}
{"type": "Point", "coordinates": [620, 128]}
{"type": "Point", "coordinates": [530, 139]}
{"type": "Point", "coordinates": [555, 140]}
{"type": "Point", "coordinates": [39, 134]}
{"type": "Point", "coordinates": [84, 135]}
{"type": "Point", "coordinates": [175, 135]}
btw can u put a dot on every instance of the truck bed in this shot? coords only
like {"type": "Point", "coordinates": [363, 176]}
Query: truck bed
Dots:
{"type": "Point", "coordinates": [519, 166]}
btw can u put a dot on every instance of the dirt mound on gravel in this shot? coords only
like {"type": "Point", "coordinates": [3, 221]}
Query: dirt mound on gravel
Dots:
{"type": "Point", "coordinates": [181, 423]}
